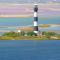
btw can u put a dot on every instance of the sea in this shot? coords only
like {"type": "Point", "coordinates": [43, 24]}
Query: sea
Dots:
{"type": "Point", "coordinates": [27, 21]}
{"type": "Point", "coordinates": [29, 50]}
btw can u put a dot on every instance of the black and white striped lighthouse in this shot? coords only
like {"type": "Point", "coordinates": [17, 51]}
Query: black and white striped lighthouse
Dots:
{"type": "Point", "coordinates": [36, 19]}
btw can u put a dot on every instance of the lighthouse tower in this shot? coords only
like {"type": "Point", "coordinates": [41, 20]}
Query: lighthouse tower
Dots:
{"type": "Point", "coordinates": [36, 18]}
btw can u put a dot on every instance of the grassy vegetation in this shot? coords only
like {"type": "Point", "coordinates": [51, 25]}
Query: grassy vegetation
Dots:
{"type": "Point", "coordinates": [30, 36]}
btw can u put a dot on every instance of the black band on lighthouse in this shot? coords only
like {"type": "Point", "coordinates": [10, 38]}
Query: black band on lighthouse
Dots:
{"type": "Point", "coordinates": [35, 28]}
{"type": "Point", "coordinates": [35, 18]}
{"type": "Point", "coordinates": [36, 8]}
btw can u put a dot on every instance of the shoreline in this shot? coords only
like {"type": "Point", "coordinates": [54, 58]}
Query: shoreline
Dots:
{"type": "Point", "coordinates": [28, 16]}
{"type": "Point", "coordinates": [13, 16]}
{"type": "Point", "coordinates": [29, 28]}
{"type": "Point", "coordinates": [31, 25]}
{"type": "Point", "coordinates": [29, 38]}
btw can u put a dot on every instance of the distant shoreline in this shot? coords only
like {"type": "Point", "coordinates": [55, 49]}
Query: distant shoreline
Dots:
{"type": "Point", "coordinates": [28, 28]}
{"type": "Point", "coordinates": [29, 25]}
{"type": "Point", "coordinates": [10, 16]}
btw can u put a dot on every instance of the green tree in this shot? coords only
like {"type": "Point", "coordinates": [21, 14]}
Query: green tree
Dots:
{"type": "Point", "coordinates": [10, 34]}
{"type": "Point", "coordinates": [22, 33]}
{"type": "Point", "coordinates": [49, 34]}
{"type": "Point", "coordinates": [31, 34]}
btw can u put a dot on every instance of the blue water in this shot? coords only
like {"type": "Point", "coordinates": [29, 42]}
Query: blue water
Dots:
{"type": "Point", "coordinates": [30, 50]}
{"type": "Point", "coordinates": [27, 21]}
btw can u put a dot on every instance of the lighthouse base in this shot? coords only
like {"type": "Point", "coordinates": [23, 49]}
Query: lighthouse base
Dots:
{"type": "Point", "coordinates": [36, 32]}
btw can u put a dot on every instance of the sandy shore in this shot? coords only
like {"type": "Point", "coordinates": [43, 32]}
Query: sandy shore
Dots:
{"type": "Point", "coordinates": [21, 16]}
{"type": "Point", "coordinates": [27, 28]}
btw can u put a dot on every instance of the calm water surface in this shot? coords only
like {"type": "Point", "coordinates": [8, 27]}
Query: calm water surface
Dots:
{"type": "Point", "coordinates": [30, 50]}
{"type": "Point", "coordinates": [27, 21]}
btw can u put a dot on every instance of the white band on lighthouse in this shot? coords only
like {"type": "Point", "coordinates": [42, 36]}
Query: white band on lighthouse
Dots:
{"type": "Point", "coordinates": [35, 14]}
{"type": "Point", "coordinates": [35, 4]}
{"type": "Point", "coordinates": [36, 32]}
{"type": "Point", "coordinates": [35, 23]}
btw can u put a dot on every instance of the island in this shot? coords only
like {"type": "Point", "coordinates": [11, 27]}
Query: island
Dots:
{"type": "Point", "coordinates": [30, 36]}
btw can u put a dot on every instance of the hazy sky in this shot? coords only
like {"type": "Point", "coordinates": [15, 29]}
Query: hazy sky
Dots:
{"type": "Point", "coordinates": [26, 1]}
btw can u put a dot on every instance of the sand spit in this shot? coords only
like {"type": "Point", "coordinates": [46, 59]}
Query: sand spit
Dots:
{"type": "Point", "coordinates": [25, 28]}
{"type": "Point", "coordinates": [21, 16]}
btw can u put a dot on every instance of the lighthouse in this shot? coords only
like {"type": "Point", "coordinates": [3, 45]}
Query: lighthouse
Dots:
{"type": "Point", "coordinates": [36, 18]}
